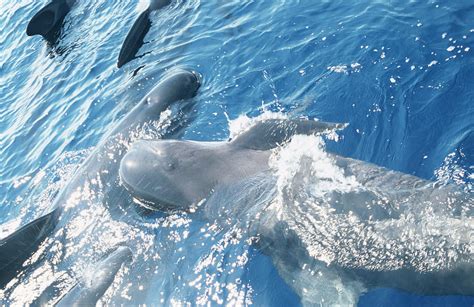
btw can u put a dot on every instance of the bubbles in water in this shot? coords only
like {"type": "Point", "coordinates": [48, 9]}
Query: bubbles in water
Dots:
{"type": "Point", "coordinates": [452, 172]}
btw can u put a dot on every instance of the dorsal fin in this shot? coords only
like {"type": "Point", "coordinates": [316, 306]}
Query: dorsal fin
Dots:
{"type": "Point", "coordinates": [270, 133]}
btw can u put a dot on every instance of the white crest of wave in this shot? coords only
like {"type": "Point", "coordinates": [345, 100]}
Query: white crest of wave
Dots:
{"type": "Point", "coordinates": [142, 5]}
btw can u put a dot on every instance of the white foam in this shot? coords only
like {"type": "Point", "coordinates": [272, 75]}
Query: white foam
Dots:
{"type": "Point", "coordinates": [338, 68]}
{"type": "Point", "coordinates": [243, 122]}
{"type": "Point", "coordinates": [307, 154]}
{"type": "Point", "coordinates": [142, 5]}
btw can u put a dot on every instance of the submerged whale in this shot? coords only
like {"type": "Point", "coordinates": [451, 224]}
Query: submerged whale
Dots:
{"type": "Point", "coordinates": [88, 289]}
{"type": "Point", "coordinates": [134, 39]}
{"type": "Point", "coordinates": [102, 166]}
{"type": "Point", "coordinates": [48, 21]}
{"type": "Point", "coordinates": [356, 235]}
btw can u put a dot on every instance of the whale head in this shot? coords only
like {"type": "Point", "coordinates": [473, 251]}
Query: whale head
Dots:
{"type": "Point", "coordinates": [179, 85]}
{"type": "Point", "coordinates": [169, 175]}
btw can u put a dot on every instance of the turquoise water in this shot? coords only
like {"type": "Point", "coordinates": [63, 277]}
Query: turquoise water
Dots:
{"type": "Point", "coordinates": [399, 73]}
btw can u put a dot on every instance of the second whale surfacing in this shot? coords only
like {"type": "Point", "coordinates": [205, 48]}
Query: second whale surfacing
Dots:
{"type": "Point", "coordinates": [332, 220]}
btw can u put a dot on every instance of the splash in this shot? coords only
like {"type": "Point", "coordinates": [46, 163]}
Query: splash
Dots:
{"type": "Point", "coordinates": [96, 218]}
{"type": "Point", "coordinates": [243, 122]}
{"type": "Point", "coordinates": [342, 221]}
{"type": "Point", "coordinates": [42, 189]}
{"type": "Point", "coordinates": [451, 171]}
{"type": "Point", "coordinates": [142, 5]}
{"type": "Point", "coordinates": [305, 158]}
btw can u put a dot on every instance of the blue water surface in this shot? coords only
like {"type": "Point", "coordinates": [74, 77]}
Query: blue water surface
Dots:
{"type": "Point", "coordinates": [399, 72]}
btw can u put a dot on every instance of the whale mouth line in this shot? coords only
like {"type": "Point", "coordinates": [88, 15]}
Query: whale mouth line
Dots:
{"type": "Point", "coordinates": [154, 205]}
{"type": "Point", "coordinates": [144, 198]}
{"type": "Point", "coordinates": [198, 77]}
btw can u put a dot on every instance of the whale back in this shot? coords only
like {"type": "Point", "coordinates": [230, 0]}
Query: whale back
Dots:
{"type": "Point", "coordinates": [178, 86]}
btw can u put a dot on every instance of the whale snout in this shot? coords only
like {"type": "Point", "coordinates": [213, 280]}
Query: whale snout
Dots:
{"type": "Point", "coordinates": [191, 81]}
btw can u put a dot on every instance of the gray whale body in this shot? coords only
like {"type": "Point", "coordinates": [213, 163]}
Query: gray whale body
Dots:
{"type": "Point", "coordinates": [88, 292]}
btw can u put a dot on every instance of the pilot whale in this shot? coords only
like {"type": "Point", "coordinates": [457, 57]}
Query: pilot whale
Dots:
{"type": "Point", "coordinates": [151, 169]}
{"type": "Point", "coordinates": [203, 177]}
{"type": "Point", "coordinates": [102, 166]}
{"type": "Point", "coordinates": [134, 39]}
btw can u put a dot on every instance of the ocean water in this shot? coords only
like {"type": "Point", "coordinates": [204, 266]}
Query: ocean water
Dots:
{"type": "Point", "coordinates": [398, 72]}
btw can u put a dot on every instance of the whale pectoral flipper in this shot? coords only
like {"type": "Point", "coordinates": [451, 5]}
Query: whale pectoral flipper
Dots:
{"type": "Point", "coordinates": [20, 245]}
{"type": "Point", "coordinates": [270, 133]}
{"type": "Point", "coordinates": [134, 39]}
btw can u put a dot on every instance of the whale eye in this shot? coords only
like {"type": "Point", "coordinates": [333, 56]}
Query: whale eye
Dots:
{"type": "Point", "coordinates": [170, 165]}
